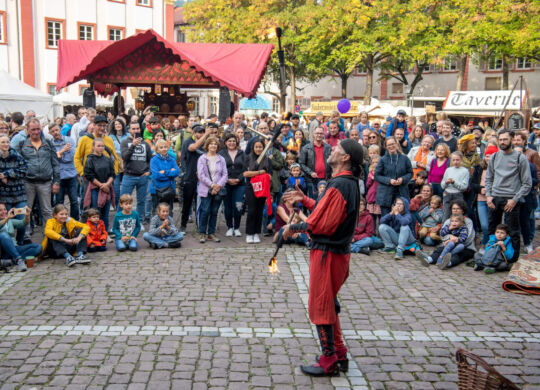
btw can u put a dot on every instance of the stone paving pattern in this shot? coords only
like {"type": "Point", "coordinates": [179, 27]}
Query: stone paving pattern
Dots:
{"type": "Point", "coordinates": [216, 319]}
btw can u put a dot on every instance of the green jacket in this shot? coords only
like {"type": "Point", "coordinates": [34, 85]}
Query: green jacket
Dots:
{"type": "Point", "coordinates": [277, 165]}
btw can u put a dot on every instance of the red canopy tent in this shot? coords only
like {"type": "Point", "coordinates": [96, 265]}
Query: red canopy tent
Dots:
{"type": "Point", "coordinates": [147, 59]}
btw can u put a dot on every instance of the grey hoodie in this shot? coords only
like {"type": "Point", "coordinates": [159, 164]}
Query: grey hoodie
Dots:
{"type": "Point", "coordinates": [508, 176]}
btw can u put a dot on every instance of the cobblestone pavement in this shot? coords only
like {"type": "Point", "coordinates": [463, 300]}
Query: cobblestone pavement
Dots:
{"type": "Point", "coordinates": [211, 316]}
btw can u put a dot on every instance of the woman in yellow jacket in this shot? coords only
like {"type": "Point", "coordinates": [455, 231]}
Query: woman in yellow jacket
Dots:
{"type": "Point", "coordinates": [65, 238]}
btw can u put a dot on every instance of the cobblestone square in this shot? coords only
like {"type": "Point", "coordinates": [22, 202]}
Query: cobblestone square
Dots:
{"type": "Point", "coordinates": [213, 317]}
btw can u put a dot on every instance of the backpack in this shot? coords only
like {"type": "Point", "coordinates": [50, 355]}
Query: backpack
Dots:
{"type": "Point", "coordinates": [492, 257]}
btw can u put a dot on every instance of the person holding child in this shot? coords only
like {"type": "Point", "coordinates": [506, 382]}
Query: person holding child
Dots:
{"type": "Point", "coordinates": [65, 238]}
{"type": "Point", "coordinates": [454, 236]}
{"type": "Point", "coordinates": [96, 240]}
{"type": "Point", "coordinates": [8, 231]}
{"type": "Point", "coordinates": [99, 171]}
{"type": "Point", "coordinates": [126, 225]}
{"type": "Point", "coordinates": [162, 233]}
{"type": "Point", "coordinates": [364, 230]}
{"type": "Point", "coordinates": [498, 252]}
{"type": "Point", "coordinates": [431, 218]}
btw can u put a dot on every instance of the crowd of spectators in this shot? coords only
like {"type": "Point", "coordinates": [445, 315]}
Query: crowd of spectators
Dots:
{"type": "Point", "coordinates": [435, 184]}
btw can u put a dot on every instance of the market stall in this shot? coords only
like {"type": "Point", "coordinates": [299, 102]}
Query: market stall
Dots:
{"type": "Point", "coordinates": [162, 68]}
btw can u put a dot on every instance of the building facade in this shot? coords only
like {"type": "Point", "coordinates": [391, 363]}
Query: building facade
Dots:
{"type": "Point", "coordinates": [30, 30]}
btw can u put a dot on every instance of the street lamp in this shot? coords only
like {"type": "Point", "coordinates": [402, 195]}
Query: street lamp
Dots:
{"type": "Point", "coordinates": [281, 57]}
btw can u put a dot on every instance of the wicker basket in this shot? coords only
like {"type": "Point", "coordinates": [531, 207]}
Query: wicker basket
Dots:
{"type": "Point", "coordinates": [479, 375]}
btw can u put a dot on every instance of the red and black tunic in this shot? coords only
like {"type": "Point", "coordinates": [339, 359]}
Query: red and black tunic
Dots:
{"type": "Point", "coordinates": [331, 227]}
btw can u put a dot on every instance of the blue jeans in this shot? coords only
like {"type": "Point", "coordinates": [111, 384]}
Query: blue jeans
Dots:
{"type": "Point", "coordinates": [20, 232]}
{"type": "Point", "coordinates": [365, 242]}
{"type": "Point", "coordinates": [437, 189]}
{"type": "Point", "coordinates": [451, 248]}
{"type": "Point", "coordinates": [233, 204]}
{"type": "Point", "coordinates": [483, 216]}
{"type": "Point", "coordinates": [391, 238]}
{"type": "Point", "coordinates": [103, 211]}
{"type": "Point", "coordinates": [302, 238]}
{"type": "Point", "coordinates": [141, 183]}
{"type": "Point", "coordinates": [162, 240]}
{"type": "Point", "coordinates": [121, 246]}
{"type": "Point", "coordinates": [10, 251]}
{"type": "Point", "coordinates": [208, 209]}
{"type": "Point", "coordinates": [69, 187]}
{"type": "Point", "coordinates": [117, 183]}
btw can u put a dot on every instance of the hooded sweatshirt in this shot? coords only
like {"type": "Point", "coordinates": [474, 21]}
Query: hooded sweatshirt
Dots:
{"type": "Point", "coordinates": [364, 226]}
{"type": "Point", "coordinates": [397, 221]}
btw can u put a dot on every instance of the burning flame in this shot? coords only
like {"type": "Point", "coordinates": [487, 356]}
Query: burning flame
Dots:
{"type": "Point", "coordinates": [272, 267]}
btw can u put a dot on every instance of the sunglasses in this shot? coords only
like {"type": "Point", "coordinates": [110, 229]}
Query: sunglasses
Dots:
{"type": "Point", "coordinates": [372, 137]}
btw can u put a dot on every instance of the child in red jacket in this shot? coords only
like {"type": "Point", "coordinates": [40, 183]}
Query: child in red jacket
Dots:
{"type": "Point", "coordinates": [96, 240]}
{"type": "Point", "coordinates": [364, 230]}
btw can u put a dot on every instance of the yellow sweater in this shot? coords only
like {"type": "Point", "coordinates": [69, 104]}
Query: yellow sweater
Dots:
{"type": "Point", "coordinates": [53, 229]}
{"type": "Point", "coordinates": [84, 149]}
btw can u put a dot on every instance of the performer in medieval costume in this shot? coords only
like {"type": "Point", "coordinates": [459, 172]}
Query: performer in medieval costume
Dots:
{"type": "Point", "coordinates": [331, 227]}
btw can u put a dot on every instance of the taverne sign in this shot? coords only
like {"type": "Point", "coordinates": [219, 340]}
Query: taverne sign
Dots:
{"type": "Point", "coordinates": [484, 100]}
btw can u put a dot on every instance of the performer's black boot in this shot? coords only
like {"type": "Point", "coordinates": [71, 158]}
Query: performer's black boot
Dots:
{"type": "Point", "coordinates": [328, 362]}
{"type": "Point", "coordinates": [343, 360]}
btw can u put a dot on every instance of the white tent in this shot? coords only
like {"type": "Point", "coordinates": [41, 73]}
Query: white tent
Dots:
{"type": "Point", "coordinates": [18, 96]}
{"type": "Point", "coordinates": [385, 109]}
{"type": "Point", "coordinates": [67, 99]}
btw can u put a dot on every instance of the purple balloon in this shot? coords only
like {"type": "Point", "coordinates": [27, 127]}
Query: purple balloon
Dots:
{"type": "Point", "coordinates": [343, 106]}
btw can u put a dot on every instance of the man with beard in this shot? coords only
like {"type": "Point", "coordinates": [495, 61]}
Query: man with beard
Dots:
{"type": "Point", "coordinates": [331, 227]}
{"type": "Point", "coordinates": [508, 180]}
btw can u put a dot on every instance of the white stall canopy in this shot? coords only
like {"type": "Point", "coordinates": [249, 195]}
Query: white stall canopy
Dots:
{"type": "Point", "coordinates": [18, 96]}
{"type": "Point", "coordinates": [483, 103]}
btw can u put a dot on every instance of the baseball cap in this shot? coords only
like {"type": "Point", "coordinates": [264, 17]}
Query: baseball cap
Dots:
{"type": "Point", "coordinates": [401, 112]}
{"type": "Point", "coordinates": [295, 117]}
{"type": "Point", "coordinates": [100, 119]}
{"type": "Point", "coordinates": [197, 128]}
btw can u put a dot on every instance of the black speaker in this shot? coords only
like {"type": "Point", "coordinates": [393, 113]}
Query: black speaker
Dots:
{"type": "Point", "coordinates": [89, 98]}
{"type": "Point", "coordinates": [224, 110]}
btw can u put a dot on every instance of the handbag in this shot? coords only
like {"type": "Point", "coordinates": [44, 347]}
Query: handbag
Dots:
{"type": "Point", "coordinates": [223, 190]}
{"type": "Point", "coordinates": [165, 194]}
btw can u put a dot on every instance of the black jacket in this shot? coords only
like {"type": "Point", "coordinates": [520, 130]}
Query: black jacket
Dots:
{"type": "Point", "coordinates": [98, 167]}
{"type": "Point", "coordinates": [136, 158]}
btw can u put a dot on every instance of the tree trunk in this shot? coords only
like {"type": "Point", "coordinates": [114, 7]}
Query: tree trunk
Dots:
{"type": "Point", "coordinates": [344, 78]}
{"type": "Point", "coordinates": [462, 64]}
{"type": "Point", "coordinates": [368, 63]}
{"type": "Point", "coordinates": [505, 73]}
{"type": "Point", "coordinates": [292, 78]}
{"type": "Point", "coordinates": [282, 102]}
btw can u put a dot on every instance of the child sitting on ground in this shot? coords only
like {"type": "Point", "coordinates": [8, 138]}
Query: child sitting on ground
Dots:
{"type": "Point", "coordinates": [431, 221]}
{"type": "Point", "coordinates": [126, 225]}
{"type": "Point", "coordinates": [162, 233]}
{"type": "Point", "coordinates": [364, 230]}
{"type": "Point", "coordinates": [295, 177]}
{"type": "Point", "coordinates": [65, 237]}
{"type": "Point", "coordinates": [498, 250]}
{"type": "Point", "coordinates": [321, 187]}
{"type": "Point", "coordinates": [96, 240]}
{"type": "Point", "coordinates": [453, 236]}
{"type": "Point", "coordinates": [415, 186]}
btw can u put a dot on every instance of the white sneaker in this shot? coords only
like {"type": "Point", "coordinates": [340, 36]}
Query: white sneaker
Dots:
{"type": "Point", "coordinates": [237, 233]}
{"type": "Point", "coordinates": [256, 239]}
{"type": "Point", "coordinates": [249, 239]}
{"type": "Point", "coordinates": [229, 232]}
{"type": "Point", "coordinates": [529, 248]}
{"type": "Point", "coordinates": [142, 228]}
{"type": "Point", "coordinates": [482, 250]}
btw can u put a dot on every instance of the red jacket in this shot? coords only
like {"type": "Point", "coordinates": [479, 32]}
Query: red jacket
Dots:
{"type": "Point", "coordinates": [97, 235]}
{"type": "Point", "coordinates": [364, 226]}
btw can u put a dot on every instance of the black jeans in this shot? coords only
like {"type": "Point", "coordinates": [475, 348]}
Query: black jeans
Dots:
{"type": "Point", "coordinates": [511, 219]}
{"type": "Point", "coordinates": [456, 259]}
{"type": "Point", "coordinates": [190, 191]}
{"type": "Point", "coordinates": [255, 208]}
{"type": "Point", "coordinates": [57, 249]}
